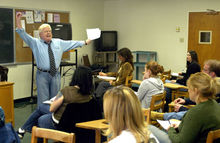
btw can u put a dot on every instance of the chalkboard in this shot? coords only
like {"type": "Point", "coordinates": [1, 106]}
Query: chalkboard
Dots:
{"type": "Point", "coordinates": [6, 36]}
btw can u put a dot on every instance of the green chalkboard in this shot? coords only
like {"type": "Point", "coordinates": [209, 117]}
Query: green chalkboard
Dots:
{"type": "Point", "coordinates": [6, 36]}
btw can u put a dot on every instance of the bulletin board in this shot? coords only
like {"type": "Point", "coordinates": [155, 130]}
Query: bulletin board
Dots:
{"type": "Point", "coordinates": [23, 53]}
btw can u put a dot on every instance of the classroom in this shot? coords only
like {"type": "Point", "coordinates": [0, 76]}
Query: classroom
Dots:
{"type": "Point", "coordinates": [142, 25]}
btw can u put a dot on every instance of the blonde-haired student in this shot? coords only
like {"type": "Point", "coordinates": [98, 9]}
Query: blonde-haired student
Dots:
{"type": "Point", "coordinates": [123, 111]}
{"type": "Point", "coordinates": [202, 118]}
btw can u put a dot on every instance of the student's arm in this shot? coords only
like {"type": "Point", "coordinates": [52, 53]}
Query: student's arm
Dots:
{"type": "Point", "coordinates": [125, 70]}
{"type": "Point", "coordinates": [56, 104]}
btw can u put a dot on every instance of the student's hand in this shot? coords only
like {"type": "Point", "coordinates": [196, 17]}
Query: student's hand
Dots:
{"type": "Point", "coordinates": [110, 82]}
{"type": "Point", "coordinates": [102, 74]}
{"type": "Point", "coordinates": [173, 126]}
{"type": "Point", "coordinates": [179, 101]}
{"type": "Point", "coordinates": [177, 107]}
{"type": "Point", "coordinates": [173, 81]}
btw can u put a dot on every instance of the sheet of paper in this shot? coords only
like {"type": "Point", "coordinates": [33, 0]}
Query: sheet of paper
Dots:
{"type": "Point", "coordinates": [106, 77]}
{"type": "Point", "coordinates": [50, 17]}
{"type": "Point", "coordinates": [93, 33]}
{"type": "Point", "coordinates": [49, 101]}
{"type": "Point", "coordinates": [29, 17]}
{"type": "Point", "coordinates": [37, 16]}
{"type": "Point", "coordinates": [174, 74]}
{"type": "Point", "coordinates": [164, 123]}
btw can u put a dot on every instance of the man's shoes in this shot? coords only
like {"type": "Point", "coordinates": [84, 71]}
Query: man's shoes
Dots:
{"type": "Point", "coordinates": [20, 133]}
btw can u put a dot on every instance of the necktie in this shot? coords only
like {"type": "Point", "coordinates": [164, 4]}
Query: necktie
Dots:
{"type": "Point", "coordinates": [52, 61]}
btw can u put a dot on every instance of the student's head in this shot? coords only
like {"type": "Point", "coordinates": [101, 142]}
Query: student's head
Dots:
{"type": "Point", "coordinates": [125, 55]}
{"type": "Point", "coordinates": [82, 77]}
{"type": "Point", "coordinates": [122, 110]}
{"type": "Point", "coordinates": [152, 68]}
{"type": "Point", "coordinates": [212, 68]}
{"type": "Point", "coordinates": [192, 56]}
{"type": "Point", "coordinates": [201, 86]}
{"type": "Point", "coordinates": [2, 117]}
{"type": "Point", "coordinates": [45, 32]}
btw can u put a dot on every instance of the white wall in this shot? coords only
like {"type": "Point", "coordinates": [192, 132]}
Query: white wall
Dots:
{"type": "Point", "coordinates": [151, 25]}
{"type": "Point", "coordinates": [83, 14]}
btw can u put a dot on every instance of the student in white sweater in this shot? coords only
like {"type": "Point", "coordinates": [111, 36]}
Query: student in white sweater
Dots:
{"type": "Point", "coordinates": [151, 84]}
{"type": "Point", "coordinates": [123, 111]}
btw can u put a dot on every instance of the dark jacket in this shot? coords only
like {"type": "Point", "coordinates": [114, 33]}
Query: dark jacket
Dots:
{"type": "Point", "coordinates": [192, 68]}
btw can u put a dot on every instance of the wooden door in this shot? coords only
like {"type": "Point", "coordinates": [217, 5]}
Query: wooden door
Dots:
{"type": "Point", "coordinates": [203, 21]}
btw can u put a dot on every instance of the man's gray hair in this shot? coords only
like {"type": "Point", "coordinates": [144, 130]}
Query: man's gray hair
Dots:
{"type": "Point", "coordinates": [43, 26]}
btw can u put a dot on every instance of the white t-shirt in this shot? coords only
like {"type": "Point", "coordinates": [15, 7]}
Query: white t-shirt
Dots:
{"type": "Point", "coordinates": [128, 137]}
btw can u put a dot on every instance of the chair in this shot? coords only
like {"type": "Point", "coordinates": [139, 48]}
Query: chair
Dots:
{"type": "Point", "coordinates": [128, 81]}
{"type": "Point", "coordinates": [51, 134]}
{"type": "Point", "coordinates": [80, 112]}
{"type": "Point", "coordinates": [147, 115]}
{"type": "Point", "coordinates": [213, 135]}
{"type": "Point", "coordinates": [158, 102]}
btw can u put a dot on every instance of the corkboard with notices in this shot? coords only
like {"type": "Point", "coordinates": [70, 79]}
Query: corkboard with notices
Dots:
{"type": "Point", "coordinates": [31, 20]}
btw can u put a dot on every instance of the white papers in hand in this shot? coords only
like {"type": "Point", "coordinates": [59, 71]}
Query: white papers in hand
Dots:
{"type": "Point", "coordinates": [174, 74]}
{"type": "Point", "coordinates": [93, 33]}
{"type": "Point", "coordinates": [166, 124]}
{"type": "Point", "coordinates": [49, 101]}
{"type": "Point", "coordinates": [106, 77]}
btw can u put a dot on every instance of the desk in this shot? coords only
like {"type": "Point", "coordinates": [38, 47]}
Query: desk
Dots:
{"type": "Point", "coordinates": [7, 100]}
{"type": "Point", "coordinates": [96, 125]}
{"type": "Point", "coordinates": [175, 88]}
{"type": "Point", "coordinates": [172, 104]}
{"type": "Point", "coordinates": [62, 64]}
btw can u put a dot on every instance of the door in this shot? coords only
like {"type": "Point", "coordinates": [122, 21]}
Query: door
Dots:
{"type": "Point", "coordinates": [201, 25]}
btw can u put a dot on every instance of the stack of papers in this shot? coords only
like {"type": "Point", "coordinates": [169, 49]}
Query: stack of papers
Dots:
{"type": "Point", "coordinates": [106, 77]}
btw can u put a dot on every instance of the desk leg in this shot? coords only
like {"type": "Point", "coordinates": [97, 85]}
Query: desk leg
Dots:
{"type": "Point", "coordinates": [97, 136]}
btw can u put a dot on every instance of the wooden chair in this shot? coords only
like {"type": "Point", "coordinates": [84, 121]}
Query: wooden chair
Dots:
{"type": "Point", "coordinates": [158, 102]}
{"type": "Point", "coordinates": [51, 134]}
{"type": "Point", "coordinates": [147, 115]}
{"type": "Point", "coordinates": [128, 81]}
{"type": "Point", "coordinates": [213, 135]}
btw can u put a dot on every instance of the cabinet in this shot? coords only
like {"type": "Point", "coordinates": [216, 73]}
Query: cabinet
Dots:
{"type": "Point", "coordinates": [7, 100]}
{"type": "Point", "coordinates": [140, 59]}
{"type": "Point", "coordinates": [106, 59]}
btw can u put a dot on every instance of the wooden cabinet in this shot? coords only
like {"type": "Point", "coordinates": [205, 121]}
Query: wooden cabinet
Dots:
{"type": "Point", "coordinates": [7, 100]}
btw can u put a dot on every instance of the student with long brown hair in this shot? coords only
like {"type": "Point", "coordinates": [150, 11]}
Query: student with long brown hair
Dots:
{"type": "Point", "coordinates": [122, 110]}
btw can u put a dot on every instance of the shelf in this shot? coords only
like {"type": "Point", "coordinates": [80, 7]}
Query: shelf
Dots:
{"type": "Point", "coordinates": [141, 58]}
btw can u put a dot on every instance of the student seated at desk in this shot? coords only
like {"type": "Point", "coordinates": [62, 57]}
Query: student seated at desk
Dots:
{"type": "Point", "coordinates": [199, 120]}
{"type": "Point", "coordinates": [7, 132]}
{"type": "Point", "coordinates": [212, 68]}
{"type": "Point", "coordinates": [48, 116]}
{"type": "Point", "coordinates": [151, 84]}
{"type": "Point", "coordinates": [126, 68]}
{"type": "Point", "coordinates": [123, 111]}
{"type": "Point", "coordinates": [192, 67]}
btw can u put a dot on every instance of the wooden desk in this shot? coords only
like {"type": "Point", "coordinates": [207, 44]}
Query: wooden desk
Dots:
{"type": "Point", "coordinates": [175, 89]}
{"type": "Point", "coordinates": [7, 100]}
{"type": "Point", "coordinates": [172, 104]}
{"type": "Point", "coordinates": [96, 125]}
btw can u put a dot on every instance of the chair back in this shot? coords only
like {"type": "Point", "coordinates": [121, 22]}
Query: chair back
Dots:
{"type": "Point", "coordinates": [147, 114]}
{"type": "Point", "coordinates": [158, 101]}
{"type": "Point", "coordinates": [165, 75]}
{"type": "Point", "coordinates": [51, 134]}
{"type": "Point", "coordinates": [80, 112]}
{"type": "Point", "coordinates": [128, 80]}
{"type": "Point", "coordinates": [212, 136]}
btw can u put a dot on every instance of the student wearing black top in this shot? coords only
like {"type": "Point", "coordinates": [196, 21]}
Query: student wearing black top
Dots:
{"type": "Point", "coordinates": [192, 67]}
